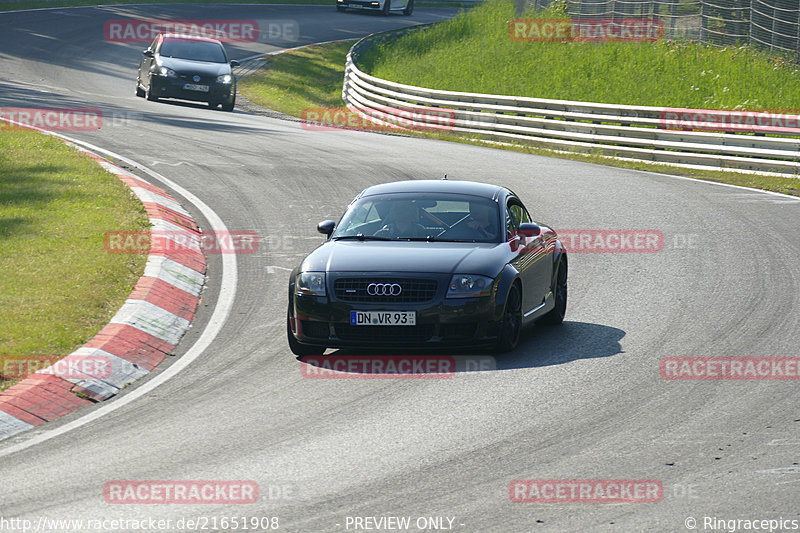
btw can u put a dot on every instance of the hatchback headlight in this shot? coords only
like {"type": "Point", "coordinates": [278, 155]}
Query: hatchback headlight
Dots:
{"type": "Point", "coordinates": [311, 283]}
{"type": "Point", "coordinates": [167, 72]}
{"type": "Point", "coordinates": [225, 78]}
{"type": "Point", "coordinates": [469, 286]}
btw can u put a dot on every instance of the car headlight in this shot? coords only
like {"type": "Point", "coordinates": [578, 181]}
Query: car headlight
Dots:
{"type": "Point", "coordinates": [167, 72]}
{"type": "Point", "coordinates": [225, 78]}
{"type": "Point", "coordinates": [469, 286]}
{"type": "Point", "coordinates": [312, 283]}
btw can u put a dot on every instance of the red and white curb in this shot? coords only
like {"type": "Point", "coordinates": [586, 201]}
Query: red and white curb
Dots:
{"type": "Point", "coordinates": [144, 331]}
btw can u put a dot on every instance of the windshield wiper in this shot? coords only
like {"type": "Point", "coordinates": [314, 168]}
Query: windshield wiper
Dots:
{"type": "Point", "coordinates": [361, 237]}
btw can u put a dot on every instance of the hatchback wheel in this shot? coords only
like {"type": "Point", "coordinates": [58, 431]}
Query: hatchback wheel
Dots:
{"type": "Point", "coordinates": [149, 93]}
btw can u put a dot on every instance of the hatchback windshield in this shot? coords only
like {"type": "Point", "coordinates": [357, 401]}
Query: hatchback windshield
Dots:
{"type": "Point", "coordinates": [444, 217]}
{"type": "Point", "coordinates": [193, 50]}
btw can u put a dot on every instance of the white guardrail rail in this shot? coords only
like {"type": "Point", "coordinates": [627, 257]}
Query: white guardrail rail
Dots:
{"type": "Point", "coordinates": [654, 134]}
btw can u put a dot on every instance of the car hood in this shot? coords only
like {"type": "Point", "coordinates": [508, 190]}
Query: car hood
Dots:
{"type": "Point", "coordinates": [195, 67]}
{"type": "Point", "coordinates": [402, 256]}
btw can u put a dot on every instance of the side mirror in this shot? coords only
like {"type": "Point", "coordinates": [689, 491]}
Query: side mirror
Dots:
{"type": "Point", "coordinates": [326, 227]}
{"type": "Point", "coordinates": [529, 229]}
{"type": "Point", "coordinates": [525, 231]}
{"type": "Point", "coordinates": [234, 63]}
{"type": "Point", "coordinates": [148, 53]}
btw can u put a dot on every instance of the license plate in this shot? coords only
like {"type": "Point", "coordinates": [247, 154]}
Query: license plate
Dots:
{"type": "Point", "coordinates": [383, 318]}
{"type": "Point", "coordinates": [193, 87]}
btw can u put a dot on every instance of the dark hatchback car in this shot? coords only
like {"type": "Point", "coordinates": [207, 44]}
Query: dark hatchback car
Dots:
{"type": "Point", "coordinates": [188, 68]}
{"type": "Point", "coordinates": [424, 264]}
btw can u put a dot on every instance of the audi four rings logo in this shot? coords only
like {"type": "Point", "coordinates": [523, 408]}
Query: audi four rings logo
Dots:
{"type": "Point", "coordinates": [384, 289]}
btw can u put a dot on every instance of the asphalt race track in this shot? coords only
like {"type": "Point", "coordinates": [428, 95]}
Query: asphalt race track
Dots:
{"type": "Point", "coordinates": [584, 401]}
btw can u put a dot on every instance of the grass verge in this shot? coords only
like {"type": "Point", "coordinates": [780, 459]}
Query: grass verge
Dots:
{"type": "Point", "coordinates": [59, 286]}
{"type": "Point", "coordinates": [474, 52]}
{"type": "Point", "coordinates": [296, 80]}
{"type": "Point", "coordinates": [312, 77]}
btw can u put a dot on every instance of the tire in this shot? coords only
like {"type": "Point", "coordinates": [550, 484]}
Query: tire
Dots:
{"type": "Point", "coordinates": [386, 8]}
{"type": "Point", "coordinates": [228, 106]}
{"type": "Point", "coordinates": [409, 8]}
{"type": "Point", "coordinates": [149, 93]}
{"type": "Point", "coordinates": [300, 350]}
{"type": "Point", "coordinates": [213, 105]}
{"type": "Point", "coordinates": [511, 323]}
{"type": "Point", "coordinates": [555, 316]}
{"type": "Point", "coordinates": [139, 90]}
{"type": "Point", "coordinates": [341, 9]}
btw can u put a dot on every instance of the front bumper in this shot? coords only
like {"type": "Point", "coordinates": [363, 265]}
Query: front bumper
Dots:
{"type": "Point", "coordinates": [166, 87]}
{"type": "Point", "coordinates": [360, 4]}
{"type": "Point", "coordinates": [440, 321]}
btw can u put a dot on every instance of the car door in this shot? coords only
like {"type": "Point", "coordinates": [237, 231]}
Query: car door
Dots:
{"type": "Point", "coordinates": [531, 257]}
{"type": "Point", "coordinates": [146, 64]}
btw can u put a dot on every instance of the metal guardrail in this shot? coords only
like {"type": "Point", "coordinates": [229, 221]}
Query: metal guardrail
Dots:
{"type": "Point", "coordinates": [622, 131]}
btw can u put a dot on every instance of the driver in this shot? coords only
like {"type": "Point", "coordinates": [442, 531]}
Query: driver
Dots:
{"type": "Point", "coordinates": [480, 220]}
{"type": "Point", "coordinates": [403, 222]}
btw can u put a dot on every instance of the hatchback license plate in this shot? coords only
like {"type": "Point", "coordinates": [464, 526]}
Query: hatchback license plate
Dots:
{"type": "Point", "coordinates": [193, 87]}
{"type": "Point", "coordinates": [383, 318]}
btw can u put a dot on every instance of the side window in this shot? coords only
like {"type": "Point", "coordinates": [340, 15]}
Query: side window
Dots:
{"type": "Point", "coordinates": [362, 215]}
{"type": "Point", "coordinates": [516, 215]}
{"type": "Point", "coordinates": [524, 217]}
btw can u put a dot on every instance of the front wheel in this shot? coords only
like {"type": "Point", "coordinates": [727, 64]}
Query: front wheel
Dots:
{"type": "Point", "coordinates": [386, 7]}
{"type": "Point", "coordinates": [228, 106]}
{"type": "Point", "coordinates": [340, 9]}
{"type": "Point", "coordinates": [139, 90]}
{"type": "Point", "coordinates": [555, 316]}
{"type": "Point", "coordinates": [409, 8]}
{"type": "Point", "coordinates": [149, 94]}
{"type": "Point", "coordinates": [511, 323]}
{"type": "Point", "coordinates": [300, 350]}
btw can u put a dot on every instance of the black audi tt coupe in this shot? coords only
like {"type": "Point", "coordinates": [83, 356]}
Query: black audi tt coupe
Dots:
{"type": "Point", "coordinates": [427, 263]}
{"type": "Point", "coordinates": [189, 68]}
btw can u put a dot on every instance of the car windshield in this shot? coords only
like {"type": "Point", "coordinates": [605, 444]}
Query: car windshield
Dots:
{"type": "Point", "coordinates": [441, 217]}
{"type": "Point", "coordinates": [193, 50]}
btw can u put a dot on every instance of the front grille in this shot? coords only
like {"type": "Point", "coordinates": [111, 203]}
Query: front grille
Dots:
{"type": "Point", "coordinates": [316, 330]}
{"type": "Point", "coordinates": [385, 334]}
{"type": "Point", "coordinates": [414, 290]}
{"type": "Point", "coordinates": [204, 80]}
